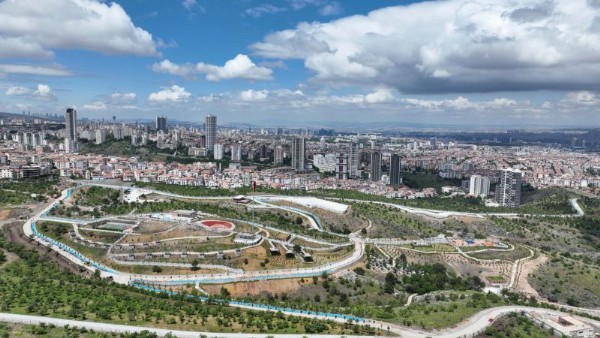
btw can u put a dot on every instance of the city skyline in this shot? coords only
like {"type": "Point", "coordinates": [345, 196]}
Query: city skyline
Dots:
{"type": "Point", "coordinates": [484, 63]}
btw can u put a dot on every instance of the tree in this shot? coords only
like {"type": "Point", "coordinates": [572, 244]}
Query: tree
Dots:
{"type": "Point", "coordinates": [195, 263]}
{"type": "Point", "coordinates": [156, 269]}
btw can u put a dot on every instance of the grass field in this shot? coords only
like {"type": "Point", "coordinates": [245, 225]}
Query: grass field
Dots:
{"type": "Point", "coordinates": [515, 326]}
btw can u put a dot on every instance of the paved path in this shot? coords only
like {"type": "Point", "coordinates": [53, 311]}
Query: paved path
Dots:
{"type": "Point", "coordinates": [468, 328]}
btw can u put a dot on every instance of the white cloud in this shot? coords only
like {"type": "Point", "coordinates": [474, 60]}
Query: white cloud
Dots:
{"type": "Point", "coordinates": [96, 106]}
{"type": "Point", "coordinates": [188, 4]}
{"type": "Point", "coordinates": [17, 91]}
{"type": "Point", "coordinates": [582, 98]}
{"type": "Point", "coordinates": [254, 95]}
{"type": "Point", "coordinates": [35, 31]}
{"type": "Point", "coordinates": [171, 94]}
{"type": "Point", "coordinates": [263, 9]}
{"type": "Point", "coordinates": [333, 8]}
{"type": "Point", "coordinates": [240, 67]}
{"type": "Point", "coordinates": [451, 46]}
{"type": "Point", "coordinates": [42, 92]}
{"type": "Point", "coordinates": [381, 95]}
{"type": "Point", "coordinates": [28, 69]}
{"type": "Point", "coordinates": [183, 70]}
{"type": "Point", "coordinates": [122, 98]}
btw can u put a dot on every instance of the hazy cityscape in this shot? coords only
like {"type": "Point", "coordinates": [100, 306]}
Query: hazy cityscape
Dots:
{"type": "Point", "coordinates": [300, 168]}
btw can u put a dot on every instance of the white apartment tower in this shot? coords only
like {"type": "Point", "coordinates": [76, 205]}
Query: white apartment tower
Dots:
{"type": "Point", "coordinates": [479, 185]}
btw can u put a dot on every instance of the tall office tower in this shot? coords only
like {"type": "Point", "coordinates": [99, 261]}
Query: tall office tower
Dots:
{"type": "Point", "coordinates": [71, 134]}
{"type": "Point", "coordinates": [395, 170]}
{"type": "Point", "coordinates": [341, 167]}
{"type": "Point", "coordinates": [161, 123]}
{"type": "Point", "coordinates": [376, 166]}
{"type": "Point", "coordinates": [278, 156]}
{"type": "Point", "coordinates": [210, 130]}
{"type": "Point", "coordinates": [236, 152]}
{"type": "Point", "coordinates": [353, 161]}
{"type": "Point", "coordinates": [508, 190]}
{"type": "Point", "coordinates": [298, 153]}
{"type": "Point", "coordinates": [479, 185]}
{"type": "Point", "coordinates": [218, 151]}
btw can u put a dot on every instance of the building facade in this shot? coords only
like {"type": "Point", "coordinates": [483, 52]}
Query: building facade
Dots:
{"type": "Point", "coordinates": [298, 153]}
{"type": "Point", "coordinates": [395, 170]}
{"type": "Point", "coordinates": [479, 185]}
{"type": "Point", "coordinates": [71, 130]}
{"type": "Point", "coordinates": [508, 190]}
{"type": "Point", "coordinates": [210, 131]}
{"type": "Point", "coordinates": [376, 166]}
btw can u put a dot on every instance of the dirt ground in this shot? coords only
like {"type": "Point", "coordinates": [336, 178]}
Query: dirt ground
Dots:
{"type": "Point", "coordinates": [4, 214]}
{"type": "Point", "coordinates": [14, 232]}
{"type": "Point", "coordinates": [528, 267]}
{"type": "Point", "coordinates": [259, 287]}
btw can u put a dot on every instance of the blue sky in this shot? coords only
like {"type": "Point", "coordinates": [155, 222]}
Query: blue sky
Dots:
{"type": "Point", "coordinates": [303, 62]}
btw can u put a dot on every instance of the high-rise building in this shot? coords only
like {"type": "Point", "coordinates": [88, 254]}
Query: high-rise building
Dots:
{"type": "Point", "coordinates": [161, 123]}
{"type": "Point", "coordinates": [278, 155]}
{"type": "Point", "coordinates": [479, 185]}
{"type": "Point", "coordinates": [376, 166]}
{"type": "Point", "coordinates": [341, 167]}
{"type": "Point", "coordinates": [218, 151]}
{"type": "Point", "coordinates": [353, 157]}
{"type": "Point", "coordinates": [236, 152]}
{"type": "Point", "coordinates": [210, 130]}
{"type": "Point", "coordinates": [100, 136]}
{"type": "Point", "coordinates": [508, 190]}
{"type": "Point", "coordinates": [395, 170]}
{"type": "Point", "coordinates": [298, 153]}
{"type": "Point", "coordinates": [71, 132]}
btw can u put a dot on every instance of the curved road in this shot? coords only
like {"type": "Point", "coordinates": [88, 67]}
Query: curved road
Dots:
{"type": "Point", "coordinates": [468, 328]}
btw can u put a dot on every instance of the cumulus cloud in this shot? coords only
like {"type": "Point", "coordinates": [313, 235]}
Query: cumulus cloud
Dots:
{"type": "Point", "coordinates": [183, 70]}
{"type": "Point", "coordinates": [452, 46]}
{"type": "Point", "coordinates": [333, 8]}
{"type": "Point", "coordinates": [17, 91]}
{"type": "Point", "coordinates": [253, 95]}
{"type": "Point", "coordinates": [122, 98]}
{"type": "Point", "coordinates": [95, 106]}
{"type": "Point", "coordinates": [171, 94]}
{"type": "Point", "coordinates": [240, 67]}
{"type": "Point", "coordinates": [381, 95]}
{"type": "Point", "coordinates": [42, 91]}
{"type": "Point", "coordinates": [34, 31]}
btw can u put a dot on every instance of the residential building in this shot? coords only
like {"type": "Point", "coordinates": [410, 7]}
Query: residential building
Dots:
{"type": "Point", "coordinates": [376, 166]}
{"type": "Point", "coordinates": [508, 190]}
{"type": "Point", "coordinates": [479, 185]}
{"type": "Point", "coordinates": [395, 170]}
{"type": "Point", "coordinates": [298, 153]}
{"type": "Point", "coordinates": [71, 130]}
{"type": "Point", "coordinates": [210, 131]}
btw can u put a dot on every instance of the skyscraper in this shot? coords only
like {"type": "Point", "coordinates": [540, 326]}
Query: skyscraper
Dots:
{"type": "Point", "coordinates": [395, 170]}
{"type": "Point", "coordinates": [278, 156]}
{"type": "Point", "coordinates": [218, 151]}
{"type": "Point", "coordinates": [161, 124]}
{"type": "Point", "coordinates": [236, 152]}
{"type": "Point", "coordinates": [479, 185]}
{"type": "Point", "coordinates": [298, 153]}
{"type": "Point", "coordinates": [508, 190]}
{"type": "Point", "coordinates": [210, 130]}
{"type": "Point", "coordinates": [71, 132]}
{"type": "Point", "coordinates": [341, 167]}
{"type": "Point", "coordinates": [353, 160]}
{"type": "Point", "coordinates": [375, 166]}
